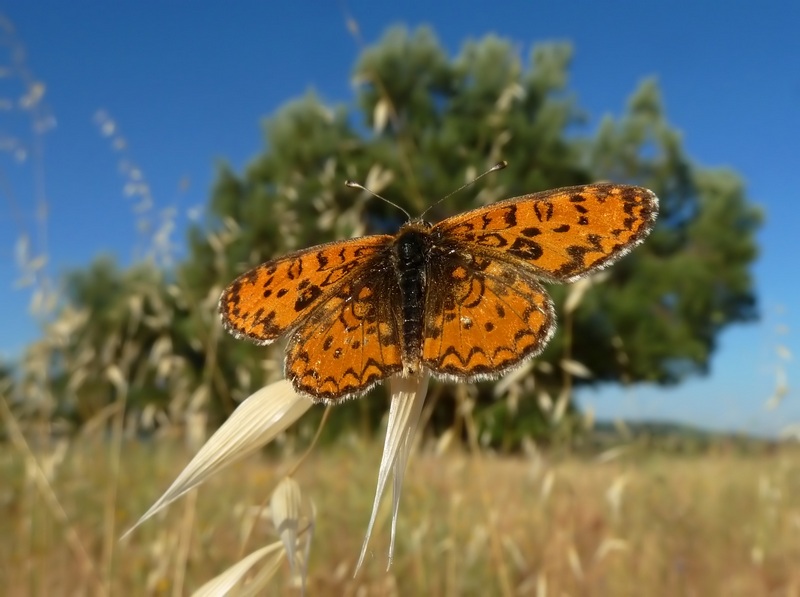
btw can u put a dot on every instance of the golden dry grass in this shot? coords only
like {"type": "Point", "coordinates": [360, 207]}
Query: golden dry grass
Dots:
{"type": "Point", "coordinates": [721, 523]}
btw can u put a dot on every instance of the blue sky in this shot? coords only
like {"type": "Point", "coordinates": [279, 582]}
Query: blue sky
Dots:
{"type": "Point", "coordinates": [189, 84]}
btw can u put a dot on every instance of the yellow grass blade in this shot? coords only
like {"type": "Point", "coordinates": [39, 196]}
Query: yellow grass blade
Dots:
{"type": "Point", "coordinates": [408, 395]}
{"type": "Point", "coordinates": [256, 422]}
{"type": "Point", "coordinates": [286, 508]}
{"type": "Point", "coordinates": [225, 582]}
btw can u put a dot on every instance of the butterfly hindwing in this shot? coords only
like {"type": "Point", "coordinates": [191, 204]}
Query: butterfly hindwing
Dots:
{"type": "Point", "coordinates": [352, 340]}
{"type": "Point", "coordinates": [482, 316]}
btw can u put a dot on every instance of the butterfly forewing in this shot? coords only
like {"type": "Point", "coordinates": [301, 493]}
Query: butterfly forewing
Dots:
{"type": "Point", "coordinates": [561, 234]}
{"type": "Point", "coordinates": [266, 302]}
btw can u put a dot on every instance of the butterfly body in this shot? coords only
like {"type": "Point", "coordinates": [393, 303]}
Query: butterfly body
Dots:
{"type": "Point", "coordinates": [411, 252]}
{"type": "Point", "coordinates": [461, 298]}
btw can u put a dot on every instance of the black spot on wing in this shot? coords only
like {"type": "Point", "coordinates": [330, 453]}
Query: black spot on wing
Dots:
{"type": "Point", "coordinates": [526, 249]}
{"type": "Point", "coordinates": [543, 210]}
{"type": "Point", "coordinates": [510, 216]}
{"type": "Point", "coordinates": [307, 296]}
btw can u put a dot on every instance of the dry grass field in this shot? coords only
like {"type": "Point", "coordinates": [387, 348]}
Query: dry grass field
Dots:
{"type": "Point", "coordinates": [641, 523]}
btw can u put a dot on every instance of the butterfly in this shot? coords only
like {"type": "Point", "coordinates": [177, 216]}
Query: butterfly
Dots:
{"type": "Point", "coordinates": [462, 298]}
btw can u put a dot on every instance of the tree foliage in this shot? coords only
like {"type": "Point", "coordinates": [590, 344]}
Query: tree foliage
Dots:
{"type": "Point", "coordinates": [421, 125]}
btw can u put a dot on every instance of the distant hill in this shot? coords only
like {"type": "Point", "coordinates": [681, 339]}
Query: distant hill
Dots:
{"type": "Point", "coordinates": [670, 436]}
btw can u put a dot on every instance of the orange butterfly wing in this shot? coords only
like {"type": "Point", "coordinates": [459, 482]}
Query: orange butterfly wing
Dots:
{"type": "Point", "coordinates": [561, 234]}
{"type": "Point", "coordinates": [482, 316]}
{"type": "Point", "coordinates": [352, 340]}
{"type": "Point", "coordinates": [337, 303]}
{"type": "Point", "coordinates": [269, 300]}
{"type": "Point", "coordinates": [485, 312]}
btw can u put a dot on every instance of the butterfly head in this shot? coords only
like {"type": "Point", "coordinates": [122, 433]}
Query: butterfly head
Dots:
{"type": "Point", "coordinates": [415, 224]}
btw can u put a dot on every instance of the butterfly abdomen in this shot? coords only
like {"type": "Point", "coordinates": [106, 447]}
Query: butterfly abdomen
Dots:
{"type": "Point", "coordinates": [410, 251]}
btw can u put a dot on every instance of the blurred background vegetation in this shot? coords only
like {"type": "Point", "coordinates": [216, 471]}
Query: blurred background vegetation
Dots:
{"type": "Point", "coordinates": [421, 124]}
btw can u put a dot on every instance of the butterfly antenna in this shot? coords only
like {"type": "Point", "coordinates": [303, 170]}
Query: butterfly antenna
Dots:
{"type": "Point", "coordinates": [495, 168]}
{"type": "Point", "coordinates": [355, 185]}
